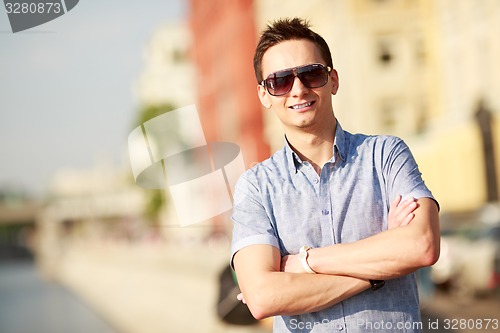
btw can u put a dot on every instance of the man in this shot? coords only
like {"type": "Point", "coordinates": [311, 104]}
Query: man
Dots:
{"type": "Point", "coordinates": [323, 224]}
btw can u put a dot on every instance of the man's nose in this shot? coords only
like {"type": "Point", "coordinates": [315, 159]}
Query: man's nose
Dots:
{"type": "Point", "coordinates": [298, 87]}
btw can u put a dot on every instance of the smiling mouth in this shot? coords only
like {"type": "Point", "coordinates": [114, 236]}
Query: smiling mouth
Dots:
{"type": "Point", "coordinates": [301, 106]}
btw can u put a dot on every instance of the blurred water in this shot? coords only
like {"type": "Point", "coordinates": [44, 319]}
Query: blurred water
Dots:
{"type": "Point", "coordinates": [29, 304]}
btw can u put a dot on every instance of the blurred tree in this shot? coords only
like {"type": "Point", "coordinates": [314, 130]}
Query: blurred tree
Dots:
{"type": "Point", "coordinates": [150, 111]}
{"type": "Point", "coordinates": [156, 198]}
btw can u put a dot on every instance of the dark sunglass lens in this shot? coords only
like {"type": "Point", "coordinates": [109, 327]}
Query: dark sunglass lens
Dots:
{"type": "Point", "coordinates": [313, 76]}
{"type": "Point", "coordinates": [280, 83]}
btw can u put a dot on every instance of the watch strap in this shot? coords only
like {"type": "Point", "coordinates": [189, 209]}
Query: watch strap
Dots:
{"type": "Point", "coordinates": [303, 259]}
{"type": "Point", "coordinates": [377, 284]}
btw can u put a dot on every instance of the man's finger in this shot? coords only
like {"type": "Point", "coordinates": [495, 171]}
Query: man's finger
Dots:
{"type": "Point", "coordinates": [395, 202]}
{"type": "Point", "coordinates": [408, 219]}
{"type": "Point", "coordinates": [240, 298]}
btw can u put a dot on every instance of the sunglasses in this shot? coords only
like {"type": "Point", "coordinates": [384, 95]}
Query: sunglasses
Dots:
{"type": "Point", "coordinates": [312, 76]}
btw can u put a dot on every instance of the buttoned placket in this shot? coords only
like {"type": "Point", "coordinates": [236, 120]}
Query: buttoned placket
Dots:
{"type": "Point", "coordinates": [324, 193]}
{"type": "Point", "coordinates": [325, 200]}
{"type": "Point", "coordinates": [323, 188]}
{"type": "Point", "coordinates": [327, 175]}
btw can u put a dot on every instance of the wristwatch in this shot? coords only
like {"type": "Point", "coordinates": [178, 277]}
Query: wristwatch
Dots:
{"type": "Point", "coordinates": [377, 284]}
{"type": "Point", "coordinates": [303, 259]}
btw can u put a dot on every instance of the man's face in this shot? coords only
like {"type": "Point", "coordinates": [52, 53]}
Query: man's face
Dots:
{"type": "Point", "coordinates": [302, 107]}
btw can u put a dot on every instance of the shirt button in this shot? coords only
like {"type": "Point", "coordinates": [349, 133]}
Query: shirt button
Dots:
{"type": "Point", "coordinates": [340, 327]}
{"type": "Point", "coordinates": [325, 212]}
{"type": "Point", "coordinates": [316, 181]}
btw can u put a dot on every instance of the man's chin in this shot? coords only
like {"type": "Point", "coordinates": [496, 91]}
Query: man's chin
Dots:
{"type": "Point", "coordinates": [306, 122]}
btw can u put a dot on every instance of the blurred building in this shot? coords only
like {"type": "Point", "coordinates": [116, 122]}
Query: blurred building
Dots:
{"type": "Point", "coordinates": [418, 69]}
{"type": "Point", "coordinates": [224, 38]}
{"type": "Point", "coordinates": [168, 76]}
{"type": "Point", "coordinates": [463, 48]}
{"type": "Point", "coordinates": [94, 206]}
{"type": "Point", "coordinates": [169, 81]}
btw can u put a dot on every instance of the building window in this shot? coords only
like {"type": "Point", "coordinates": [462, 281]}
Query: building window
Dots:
{"type": "Point", "coordinates": [385, 52]}
{"type": "Point", "coordinates": [387, 117]}
{"type": "Point", "coordinates": [422, 116]}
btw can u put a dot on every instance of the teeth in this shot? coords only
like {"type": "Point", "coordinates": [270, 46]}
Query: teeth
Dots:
{"type": "Point", "coordinates": [300, 106]}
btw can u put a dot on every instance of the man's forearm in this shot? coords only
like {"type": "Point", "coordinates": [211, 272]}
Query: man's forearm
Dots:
{"type": "Point", "coordinates": [292, 293]}
{"type": "Point", "coordinates": [269, 292]}
{"type": "Point", "coordinates": [371, 258]}
{"type": "Point", "coordinates": [390, 254]}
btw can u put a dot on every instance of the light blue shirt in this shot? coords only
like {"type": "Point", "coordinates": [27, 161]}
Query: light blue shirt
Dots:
{"type": "Point", "coordinates": [283, 202]}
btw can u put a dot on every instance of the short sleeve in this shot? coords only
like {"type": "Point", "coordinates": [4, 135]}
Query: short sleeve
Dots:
{"type": "Point", "coordinates": [251, 222]}
{"type": "Point", "coordinates": [402, 174]}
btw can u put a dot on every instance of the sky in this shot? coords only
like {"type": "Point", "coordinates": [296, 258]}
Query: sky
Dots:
{"type": "Point", "coordinates": [66, 88]}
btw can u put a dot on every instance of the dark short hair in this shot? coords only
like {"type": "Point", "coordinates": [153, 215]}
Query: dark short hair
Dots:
{"type": "Point", "coordinates": [283, 30]}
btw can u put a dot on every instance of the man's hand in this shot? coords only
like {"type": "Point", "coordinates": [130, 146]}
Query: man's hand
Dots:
{"type": "Point", "coordinates": [401, 213]}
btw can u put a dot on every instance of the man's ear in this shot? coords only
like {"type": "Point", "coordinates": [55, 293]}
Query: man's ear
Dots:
{"type": "Point", "coordinates": [264, 96]}
{"type": "Point", "coordinates": [335, 80]}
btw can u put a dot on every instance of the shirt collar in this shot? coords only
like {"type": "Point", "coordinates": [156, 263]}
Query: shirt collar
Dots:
{"type": "Point", "coordinates": [294, 161]}
{"type": "Point", "coordinates": [340, 143]}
